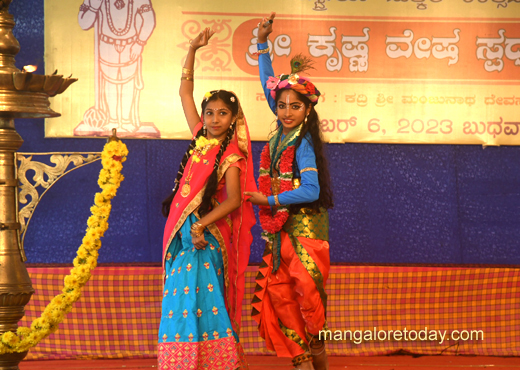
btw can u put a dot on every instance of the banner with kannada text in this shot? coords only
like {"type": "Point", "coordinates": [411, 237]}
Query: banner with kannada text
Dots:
{"type": "Point", "coordinates": [434, 71]}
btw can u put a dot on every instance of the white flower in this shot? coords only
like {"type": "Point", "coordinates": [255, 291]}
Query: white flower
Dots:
{"type": "Point", "coordinates": [293, 79]}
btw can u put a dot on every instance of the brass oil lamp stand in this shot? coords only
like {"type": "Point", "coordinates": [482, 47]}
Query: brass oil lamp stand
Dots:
{"type": "Point", "coordinates": [22, 95]}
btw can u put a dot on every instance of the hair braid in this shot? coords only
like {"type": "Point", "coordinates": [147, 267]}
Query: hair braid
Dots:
{"type": "Point", "coordinates": [166, 204]}
{"type": "Point", "coordinates": [211, 188]}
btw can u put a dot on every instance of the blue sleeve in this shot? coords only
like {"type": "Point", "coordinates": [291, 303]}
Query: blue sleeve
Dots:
{"type": "Point", "coordinates": [266, 70]}
{"type": "Point", "coordinates": [309, 189]}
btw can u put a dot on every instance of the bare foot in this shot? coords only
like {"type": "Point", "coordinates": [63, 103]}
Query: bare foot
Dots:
{"type": "Point", "coordinates": [307, 365]}
{"type": "Point", "coordinates": [319, 355]}
{"type": "Point", "coordinates": [321, 361]}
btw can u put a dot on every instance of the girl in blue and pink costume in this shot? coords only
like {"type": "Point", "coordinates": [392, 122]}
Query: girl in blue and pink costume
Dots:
{"type": "Point", "coordinates": [207, 235]}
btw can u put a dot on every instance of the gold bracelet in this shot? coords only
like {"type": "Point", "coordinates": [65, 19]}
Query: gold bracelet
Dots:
{"type": "Point", "coordinates": [196, 226]}
{"type": "Point", "coordinates": [196, 235]}
{"type": "Point", "coordinates": [263, 51]}
{"type": "Point", "coordinates": [187, 78]}
{"type": "Point", "coordinates": [276, 200]}
{"type": "Point", "coordinates": [196, 230]}
{"type": "Point", "coordinates": [187, 71]}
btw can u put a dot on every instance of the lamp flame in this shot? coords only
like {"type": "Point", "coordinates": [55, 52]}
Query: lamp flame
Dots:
{"type": "Point", "coordinates": [30, 68]}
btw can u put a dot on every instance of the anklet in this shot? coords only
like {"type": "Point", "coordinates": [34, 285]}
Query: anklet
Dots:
{"type": "Point", "coordinates": [297, 361]}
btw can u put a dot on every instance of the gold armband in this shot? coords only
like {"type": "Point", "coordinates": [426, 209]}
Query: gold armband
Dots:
{"type": "Point", "coordinates": [309, 169]}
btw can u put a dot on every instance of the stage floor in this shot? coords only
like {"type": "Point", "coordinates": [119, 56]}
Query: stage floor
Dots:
{"type": "Point", "coordinates": [336, 363]}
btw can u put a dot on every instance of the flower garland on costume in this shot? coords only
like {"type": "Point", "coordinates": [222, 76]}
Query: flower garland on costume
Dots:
{"type": "Point", "coordinates": [273, 224]}
{"type": "Point", "coordinates": [202, 145]}
{"type": "Point", "coordinates": [110, 177]}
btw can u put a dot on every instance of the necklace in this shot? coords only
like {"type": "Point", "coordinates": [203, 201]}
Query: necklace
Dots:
{"type": "Point", "coordinates": [128, 17]}
{"type": "Point", "coordinates": [202, 146]}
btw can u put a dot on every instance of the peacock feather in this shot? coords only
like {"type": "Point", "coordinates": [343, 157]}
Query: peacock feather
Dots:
{"type": "Point", "coordinates": [301, 63]}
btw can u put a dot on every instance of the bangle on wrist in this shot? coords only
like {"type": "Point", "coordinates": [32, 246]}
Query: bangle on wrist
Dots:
{"type": "Point", "coordinates": [263, 51]}
{"type": "Point", "coordinates": [196, 235]}
{"type": "Point", "coordinates": [140, 42]}
{"type": "Point", "coordinates": [188, 71]}
{"type": "Point", "coordinates": [186, 78]}
{"type": "Point", "coordinates": [196, 225]}
{"type": "Point", "coordinates": [197, 230]}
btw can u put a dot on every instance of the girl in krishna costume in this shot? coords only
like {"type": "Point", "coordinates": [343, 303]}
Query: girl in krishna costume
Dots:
{"type": "Point", "coordinates": [290, 300]}
{"type": "Point", "coordinates": [207, 235]}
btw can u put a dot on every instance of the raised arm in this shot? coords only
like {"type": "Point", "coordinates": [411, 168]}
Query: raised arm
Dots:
{"type": "Point", "coordinates": [265, 27]}
{"type": "Point", "coordinates": [186, 89]}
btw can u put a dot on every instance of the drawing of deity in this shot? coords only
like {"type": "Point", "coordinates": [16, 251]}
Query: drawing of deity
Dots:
{"type": "Point", "coordinates": [121, 30]}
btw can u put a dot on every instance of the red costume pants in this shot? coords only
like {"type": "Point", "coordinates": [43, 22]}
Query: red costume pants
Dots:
{"type": "Point", "coordinates": [287, 303]}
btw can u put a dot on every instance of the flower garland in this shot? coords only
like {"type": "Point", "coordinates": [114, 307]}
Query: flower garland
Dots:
{"type": "Point", "coordinates": [110, 177]}
{"type": "Point", "coordinates": [202, 145]}
{"type": "Point", "coordinates": [273, 224]}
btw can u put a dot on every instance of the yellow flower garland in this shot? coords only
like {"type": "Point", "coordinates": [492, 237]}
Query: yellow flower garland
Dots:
{"type": "Point", "coordinates": [202, 145]}
{"type": "Point", "coordinates": [110, 177]}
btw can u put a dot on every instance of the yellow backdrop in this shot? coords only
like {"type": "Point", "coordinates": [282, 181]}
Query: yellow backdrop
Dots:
{"type": "Point", "coordinates": [415, 71]}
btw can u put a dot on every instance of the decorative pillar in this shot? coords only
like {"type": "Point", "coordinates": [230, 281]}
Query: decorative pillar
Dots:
{"type": "Point", "coordinates": [22, 95]}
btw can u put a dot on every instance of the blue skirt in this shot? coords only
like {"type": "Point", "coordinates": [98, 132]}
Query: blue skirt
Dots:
{"type": "Point", "coordinates": [195, 330]}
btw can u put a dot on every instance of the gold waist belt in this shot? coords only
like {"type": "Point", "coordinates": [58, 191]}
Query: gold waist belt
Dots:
{"type": "Point", "coordinates": [309, 225]}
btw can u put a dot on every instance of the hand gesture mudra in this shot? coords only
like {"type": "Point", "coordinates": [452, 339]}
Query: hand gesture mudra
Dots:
{"type": "Point", "coordinates": [265, 27]}
{"type": "Point", "coordinates": [202, 39]}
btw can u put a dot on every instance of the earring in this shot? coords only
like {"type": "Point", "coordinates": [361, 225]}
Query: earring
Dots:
{"type": "Point", "coordinates": [204, 129]}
